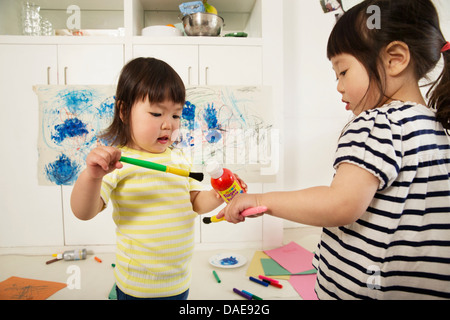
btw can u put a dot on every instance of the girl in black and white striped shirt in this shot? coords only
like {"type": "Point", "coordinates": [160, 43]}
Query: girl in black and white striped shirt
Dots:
{"type": "Point", "coordinates": [386, 214]}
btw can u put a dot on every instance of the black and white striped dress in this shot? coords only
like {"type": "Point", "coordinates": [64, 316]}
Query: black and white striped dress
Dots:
{"type": "Point", "coordinates": [400, 247]}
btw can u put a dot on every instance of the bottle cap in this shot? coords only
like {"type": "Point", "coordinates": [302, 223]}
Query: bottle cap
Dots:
{"type": "Point", "coordinates": [214, 169]}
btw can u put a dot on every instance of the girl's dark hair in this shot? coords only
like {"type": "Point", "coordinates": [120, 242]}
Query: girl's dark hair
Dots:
{"type": "Point", "coordinates": [415, 23]}
{"type": "Point", "coordinates": [141, 78]}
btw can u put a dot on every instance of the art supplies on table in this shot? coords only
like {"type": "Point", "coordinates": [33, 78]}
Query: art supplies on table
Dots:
{"type": "Point", "coordinates": [290, 262]}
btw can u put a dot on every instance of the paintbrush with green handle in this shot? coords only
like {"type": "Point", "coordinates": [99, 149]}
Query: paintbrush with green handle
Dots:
{"type": "Point", "coordinates": [156, 166]}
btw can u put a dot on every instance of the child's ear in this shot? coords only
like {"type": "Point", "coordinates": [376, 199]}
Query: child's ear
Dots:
{"type": "Point", "coordinates": [396, 58]}
{"type": "Point", "coordinates": [120, 109]}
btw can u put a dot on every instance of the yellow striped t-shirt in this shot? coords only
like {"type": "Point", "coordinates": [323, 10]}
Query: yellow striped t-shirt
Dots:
{"type": "Point", "coordinates": [155, 225]}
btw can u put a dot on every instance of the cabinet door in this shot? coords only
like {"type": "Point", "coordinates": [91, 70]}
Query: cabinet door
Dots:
{"type": "Point", "coordinates": [183, 58]}
{"type": "Point", "coordinates": [97, 65]}
{"type": "Point", "coordinates": [90, 64]}
{"type": "Point", "coordinates": [30, 215]}
{"type": "Point", "coordinates": [230, 65]}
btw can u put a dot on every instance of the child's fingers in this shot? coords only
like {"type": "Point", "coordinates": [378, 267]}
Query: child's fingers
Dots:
{"type": "Point", "coordinates": [241, 182]}
{"type": "Point", "coordinates": [105, 157]}
{"type": "Point", "coordinates": [220, 214]}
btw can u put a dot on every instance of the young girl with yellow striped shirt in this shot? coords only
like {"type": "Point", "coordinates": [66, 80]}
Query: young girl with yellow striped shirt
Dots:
{"type": "Point", "coordinates": [154, 211]}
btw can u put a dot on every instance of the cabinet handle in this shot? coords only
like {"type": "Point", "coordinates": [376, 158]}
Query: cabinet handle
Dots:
{"type": "Point", "coordinates": [189, 75]}
{"type": "Point", "coordinates": [65, 75]}
{"type": "Point", "coordinates": [206, 75]}
{"type": "Point", "coordinates": [48, 75]}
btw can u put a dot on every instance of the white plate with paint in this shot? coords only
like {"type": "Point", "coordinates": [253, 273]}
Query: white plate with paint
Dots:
{"type": "Point", "coordinates": [228, 260]}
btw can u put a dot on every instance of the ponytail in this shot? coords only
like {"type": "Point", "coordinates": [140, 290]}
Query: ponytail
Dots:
{"type": "Point", "coordinates": [440, 93]}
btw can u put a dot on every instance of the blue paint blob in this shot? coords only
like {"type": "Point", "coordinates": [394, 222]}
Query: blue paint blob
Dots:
{"type": "Point", "coordinates": [69, 129]}
{"type": "Point", "coordinates": [63, 171]}
{"type": "Point", "coordinates": [230, 261]}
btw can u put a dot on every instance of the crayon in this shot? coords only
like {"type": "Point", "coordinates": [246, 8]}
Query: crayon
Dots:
{"type": "Point", "coordinates": [216, 276]}
{"type": "Point", "coordinates": [268, 279]}
{"type": "Point", "coordinates": [98, 259]}
{"type": "Point", "coordinates": [252, 295]}
{"type": "Point", "coordinates": [272, 282]}
{"type": "Point", "coordinates": [265, 284]}
{"type": "Point", "coordinates": [239, 292]}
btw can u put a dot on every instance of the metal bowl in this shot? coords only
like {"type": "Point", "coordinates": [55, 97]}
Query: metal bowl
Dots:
{"type": "Point", "coordinates": [203, 24]}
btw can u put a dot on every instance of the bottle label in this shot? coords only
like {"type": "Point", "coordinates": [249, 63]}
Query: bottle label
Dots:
{"type": "Point", "coordinates": [229, 193]}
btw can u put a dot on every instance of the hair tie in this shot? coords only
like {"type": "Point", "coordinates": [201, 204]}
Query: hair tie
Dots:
{"type": "Point", "coordinates": [446, 47]}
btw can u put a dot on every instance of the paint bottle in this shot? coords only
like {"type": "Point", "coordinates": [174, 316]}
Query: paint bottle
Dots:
{"type": "Point", "coordinates": [223, 181]}
{"type": "Point", "coordinates": [77, 254]}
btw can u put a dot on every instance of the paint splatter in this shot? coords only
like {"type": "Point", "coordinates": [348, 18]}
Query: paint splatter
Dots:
{"type": "Point", "coordinates": [76, 100]}
{"type": "Point", "coordinates": [63, 171]}
{"type": "Point", "coordinates": [189, 114]}
{"type": "Point", "coordinates": [189, 111]}
{"type": "Point", "coordinates": [70, 128]}
{"type": "Point", "coordinates": [210, 116]}
{"type": "Point", "coordinates": [213, 136]}
{"type": "Point", "coordinates": [106, 108]}
{"type": "Point", "coordinates": [230, 261]}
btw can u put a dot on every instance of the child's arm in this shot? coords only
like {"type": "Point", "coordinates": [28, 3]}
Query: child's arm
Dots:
{"type": "Point", "coordinates": [348, 197]}
{"type": "Point", "coordinates": [85, 200]}
{"type": "Point", "coordinates": [205, 201]}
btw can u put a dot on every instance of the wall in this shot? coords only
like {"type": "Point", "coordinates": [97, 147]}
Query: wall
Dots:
{"type": "Point", "coordinates": [314, 115]}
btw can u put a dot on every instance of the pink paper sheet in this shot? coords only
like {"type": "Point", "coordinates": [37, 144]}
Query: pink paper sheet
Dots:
{"type": "Point", "coordinates": [292, 257]}
{"type": "Point", "coordinates": [304, 285]}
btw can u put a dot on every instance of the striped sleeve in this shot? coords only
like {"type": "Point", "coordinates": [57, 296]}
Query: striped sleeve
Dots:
{"type": "Point", "coordinates": [372, 142]}
{"type": "Point", "coordinates": [109, 183]}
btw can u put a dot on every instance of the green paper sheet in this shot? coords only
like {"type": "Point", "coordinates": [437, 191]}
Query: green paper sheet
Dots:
{"type": "Point", "coordinates": [113, 294]}
{"type": "Point", "coordinates": [272, 268]}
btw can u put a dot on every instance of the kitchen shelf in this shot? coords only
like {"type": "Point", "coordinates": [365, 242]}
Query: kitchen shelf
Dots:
{"type": "Point", "coordinates": [131, 16]}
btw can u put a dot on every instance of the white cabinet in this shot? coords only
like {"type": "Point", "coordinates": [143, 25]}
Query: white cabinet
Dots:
{"type": "Point", "coordinates": [30, 215]}
{"type": "Point", "coordinates": [88, 64]}
{"type": "Point", "coordinates": [209, 64]}
{"type": "Point", "coordinates": [230, 65]}
{"type": "Point", "coordinates": [183, 58]}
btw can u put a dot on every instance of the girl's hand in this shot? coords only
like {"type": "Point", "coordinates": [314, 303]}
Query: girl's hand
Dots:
{"type": "Point", "coordinates": [242, 201]}
{"type": "Point", "coordinates": [102, 160]}
{"type": "Point", "coordinates": [241, 182]}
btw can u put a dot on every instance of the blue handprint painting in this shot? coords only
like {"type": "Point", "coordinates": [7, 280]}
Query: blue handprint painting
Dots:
{"type": "Point", "coordinates": [228, 124]}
